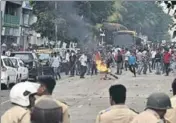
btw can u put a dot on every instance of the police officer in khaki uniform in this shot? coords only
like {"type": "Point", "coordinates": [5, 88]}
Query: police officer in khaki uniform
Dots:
{"type": "Point", "coordinates": [173, 99]}
{"type": "Point", "coordinates": [171, 113]}
{"type": "Point", "coordinates": [157, 105]}
{"type": "Point", "coordinates": [47, 84]}
{"type": "Point", "coordinates": [22, 97]}
{"type": "Point", "coordinates": [118, 112]}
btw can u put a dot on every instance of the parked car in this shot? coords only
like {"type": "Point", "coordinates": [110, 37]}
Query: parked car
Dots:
{"type": "Point", "coordinates": [9, 74]}
{"type": "Point", "coordinates": [23, 72]}
{"type": "Point", "coordinates": [31, 62]}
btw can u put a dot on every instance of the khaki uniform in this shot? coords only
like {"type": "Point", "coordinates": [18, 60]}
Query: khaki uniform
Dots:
{"type": "Point", "coordinates": [171, 113]}
{"type": "Point", "coordinates": [173, 101]}
{"type": "Point", "coordinates": [16, 114]}
{"type": "Point", "coordinates": [116, 114]}
{"type": "Point", "coordinates": [148, 116]}
{"type": "Point", "coordinates": [66, 116]}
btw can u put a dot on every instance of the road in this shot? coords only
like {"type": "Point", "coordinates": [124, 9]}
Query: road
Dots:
{"type": "Point", "coordinates": [86, 97]}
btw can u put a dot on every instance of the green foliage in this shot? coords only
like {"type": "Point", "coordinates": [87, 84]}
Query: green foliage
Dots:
{"type": "Point", "coordinates": [145, 17]}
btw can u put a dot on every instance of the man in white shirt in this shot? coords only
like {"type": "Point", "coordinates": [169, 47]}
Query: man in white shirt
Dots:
{"type": "Point", "coordinates": [55, 65]}
{"type": "Point", "coordinates": [83, 60]}
{"type": "Point", "coordinates": [153, 52]}
{"type": "Point", "coordinates": [127, 54]}
{"type": "Point", "coordinates": [67, 59]}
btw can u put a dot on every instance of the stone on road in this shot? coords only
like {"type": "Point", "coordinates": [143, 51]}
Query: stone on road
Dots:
{"type": "Point", "coordinates": [86, 97]}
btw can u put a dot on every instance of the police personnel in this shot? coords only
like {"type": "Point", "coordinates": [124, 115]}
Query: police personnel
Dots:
{"type": "Point", "coordinates": [22, 98]}
{"type": "Point", "coordinates": [118, 112]}
{"type": "Point", "coordinates": [171, 113]}
{"type": "Point", "coordinates": [47, 84]}
{"type": "Point", "coordinates": [47, 111]}
{"type": "Point", "coordinates": [157, 105]}
{"type": "Point", "coordinates": [173, 99]}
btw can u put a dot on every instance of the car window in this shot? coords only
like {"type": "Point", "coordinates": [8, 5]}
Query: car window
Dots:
{"type": "Point", "coordinates": [8, 62]}
{"type": "Point", "coordinates": [14, 61]}
{"type": "Point", "coordinates": [2, 65]}
{"type": "Point", "coordinates": [11, 63]}
{"type": "Point", "coordinates": [44, 56]}
{"type": "Point", "coordinates": [24, 56]}
{"type": "Point", "coordinates": [21, 63]}
{"type": "Point", "coordinates": [34, 55]}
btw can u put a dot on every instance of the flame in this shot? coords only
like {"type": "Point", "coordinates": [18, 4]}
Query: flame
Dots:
{"type": "Point", "coordinates": [101, 66]}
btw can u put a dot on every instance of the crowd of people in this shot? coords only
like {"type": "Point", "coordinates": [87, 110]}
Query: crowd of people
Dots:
{"type": "Point", "coordinates": [137, 60]}
{"type": "Point", "coordinates": [33, 103]}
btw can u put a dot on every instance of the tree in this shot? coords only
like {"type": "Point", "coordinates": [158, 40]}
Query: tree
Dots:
{"type": "Point", "coordinates": [68, 17]}
{"type": "Point", "coordinates": [171, 5]}
{"type": "Point", "coordinates": [147, 18]}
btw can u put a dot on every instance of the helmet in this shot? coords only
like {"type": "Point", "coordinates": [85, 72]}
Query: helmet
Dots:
{"type": "Point", "coordinates": [45, 109]}
{"type": "Point", "coordinates": [20, 93]}
{"type": "Point", "coordinates": [159, 101]}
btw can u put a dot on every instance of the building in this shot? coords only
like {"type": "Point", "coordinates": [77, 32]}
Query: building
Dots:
{"type": "Point", "coordinates": [11, 13]}
{"type": "Point", "coordinates": [25, 24]}
{"type": "Point", "coordinates": [17, 18]}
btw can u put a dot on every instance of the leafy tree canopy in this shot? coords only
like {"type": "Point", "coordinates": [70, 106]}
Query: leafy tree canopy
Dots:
{"type": "Point", "coordinates": [77, 19]}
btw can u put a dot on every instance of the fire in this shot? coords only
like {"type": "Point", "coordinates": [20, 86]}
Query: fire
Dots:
{"type": "Point", "coordinates": [101, 66]}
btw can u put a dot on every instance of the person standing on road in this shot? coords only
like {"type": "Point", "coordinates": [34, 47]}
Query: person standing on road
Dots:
{"type": "Point", "coordinates": [47, 111]}
{"type": "Point", "coordinates": [153, 53]}
{"type": "Point", "coordinates": [93, 65]}
{"type": "Point", "coordinates": [167, 60]}
{"type": "Point", "coordinates": [55, 65]}
{"type": "Point", "coordinates": [67, 59]}
{"type": "Point", "coordinates": [118, 112]}
{"type": "Point", "coordinates": [132, 63]}
{"type": "Point", "coordinates": [158, 58]}
{"type": "Point", "coordinates": [47, 84]}
{"type": "Point", "coordinates": [72, 63]}
{"type": "Point", "coordinates": [127, 54]}
{"type": "Point", "coordinates": [119, 61]}
{"type": "Point", "coordinates": [83, 60]}
{"type": "Point", "coordinates": [139, 61]}
{"type": "Point", "coordinates": [157, 105]}
{"type": "Point", "coordinates": [171, 113]}
{"type": "Point", "coordinates": [22, 98]}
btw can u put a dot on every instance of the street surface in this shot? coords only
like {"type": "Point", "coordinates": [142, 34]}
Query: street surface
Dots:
{"type": "Point", "coordinates": [86, 97]}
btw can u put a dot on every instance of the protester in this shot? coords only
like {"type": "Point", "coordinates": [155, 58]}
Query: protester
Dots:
{"type": "Point", "coordinates": [83, 60]}
{"type": "Point", "coordinates": [67, 59]}
{"type": "Point", "coordinates": [118, 112]}
{"type": "Point", "coordinates": [47, 111]}
{"type": "Point", "coordinates": [55, 65]}
{"type": "Point", "coordinates": [167, 59]}
{"type": "Point", "coordinates": [119, 61]}
{"type": "Point", "coordinates": [22, 97]}
{"type": "Point", "coordinates": [158, 58]}
{"type": "Point", "coordinates": [127, 54]}
{"type": "Point", "coordinates": [157, 105]}
{"type": "Point", "coordinates": [72, 60]}
{"type": "Point", "coordinates": [139, 61]}
{"type": "Point", "coordinates": [47, 84]}
{"type": "Point", "coordinates": [132, 63]}
{"type": "Point", "coordinates": [153, 53]}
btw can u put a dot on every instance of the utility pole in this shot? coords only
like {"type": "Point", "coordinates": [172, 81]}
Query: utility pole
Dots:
{"type": "Point", "coordinates": [56, 22]}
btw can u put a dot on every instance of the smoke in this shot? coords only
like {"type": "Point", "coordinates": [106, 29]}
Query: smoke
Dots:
{"type": "Point", "coordinates": [78, 28]}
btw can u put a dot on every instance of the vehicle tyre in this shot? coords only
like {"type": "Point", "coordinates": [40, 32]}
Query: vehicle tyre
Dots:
{"type": "Point", "coordinates": [8, 83]}
{"type": "Point", "coordinates": [18, 79]}
{"type": "Point", "coordinates": [36, 79]}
